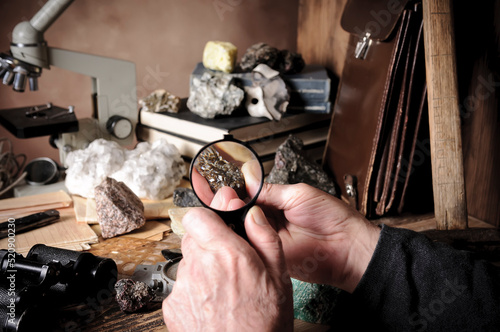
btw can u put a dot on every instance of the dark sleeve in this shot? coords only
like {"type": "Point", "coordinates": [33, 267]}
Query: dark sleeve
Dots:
{"type": "Point", "coordinates": [415, 284]}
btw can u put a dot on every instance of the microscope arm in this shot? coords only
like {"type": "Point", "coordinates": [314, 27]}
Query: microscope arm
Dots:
{"type": "Point", "coordinates": [113, 89]}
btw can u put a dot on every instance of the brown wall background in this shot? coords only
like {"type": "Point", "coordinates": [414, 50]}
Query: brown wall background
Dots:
{"type": "Point", "coordinates": [164, 38]}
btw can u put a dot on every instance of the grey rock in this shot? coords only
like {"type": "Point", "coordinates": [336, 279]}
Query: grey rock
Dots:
{"type": "Point", "coordinates": [213, 94]}
{"type": "Point", "coordinates": [185, 197]}
{"type": "Point", "coordinates": [292, 166]}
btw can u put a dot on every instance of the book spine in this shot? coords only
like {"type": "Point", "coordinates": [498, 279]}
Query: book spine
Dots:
{"type": "Point", "coordinates": [310, 107]}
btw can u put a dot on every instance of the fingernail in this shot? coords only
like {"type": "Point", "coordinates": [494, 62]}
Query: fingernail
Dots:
{"type": "Point", "coordinates": [258, 216]}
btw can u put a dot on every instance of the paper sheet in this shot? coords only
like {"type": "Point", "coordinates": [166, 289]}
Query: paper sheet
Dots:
{"type": "Point", "coordinates": [65, 233]}
{"type": "Point", "coordinates": [22, 206]}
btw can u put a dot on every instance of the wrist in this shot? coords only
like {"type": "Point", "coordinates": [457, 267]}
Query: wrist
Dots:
{"type": "Point", "coordinates": [364, 238]}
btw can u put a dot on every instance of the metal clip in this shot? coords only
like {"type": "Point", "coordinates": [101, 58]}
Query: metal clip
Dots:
{"type": "Point", "coordinates": [350, 190]}
{"type": "Point", "coordinates": [362, 46]}
{"type": "Point", "coordinates": [350, 184]}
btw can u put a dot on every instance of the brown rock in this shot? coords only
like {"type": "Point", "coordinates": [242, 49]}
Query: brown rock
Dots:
{"type": "Point", "coordinates": [119, 210]}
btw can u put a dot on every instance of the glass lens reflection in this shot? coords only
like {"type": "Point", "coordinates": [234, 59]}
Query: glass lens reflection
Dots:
{"type": "Point", "coordinates": [217, 177]}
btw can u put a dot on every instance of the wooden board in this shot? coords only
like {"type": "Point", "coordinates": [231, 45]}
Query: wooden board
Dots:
{"type": "Point", "coordinates": [320, 38]}
{"type": "Point", "coordinates": [444, 116]}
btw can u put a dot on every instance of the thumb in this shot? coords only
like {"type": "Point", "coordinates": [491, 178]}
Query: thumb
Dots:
{"type": "Point", "coordinates": [265, 240]}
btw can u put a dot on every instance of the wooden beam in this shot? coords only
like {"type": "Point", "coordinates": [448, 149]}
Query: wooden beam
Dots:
{"type": "Point", "coordinates": [444, 117]}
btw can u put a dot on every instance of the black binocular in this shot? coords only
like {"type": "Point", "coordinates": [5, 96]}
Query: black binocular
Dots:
{"type": "Point", "coordinates": [48, 278]}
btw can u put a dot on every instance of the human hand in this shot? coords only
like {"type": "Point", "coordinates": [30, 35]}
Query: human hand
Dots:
{"type": "Point", "coordinates": [325, 241]}
{"type": "Point", "coordinates": [223, 282]}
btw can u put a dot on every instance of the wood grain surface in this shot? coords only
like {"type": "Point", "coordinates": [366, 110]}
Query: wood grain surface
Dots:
{"type": "Point", "coordinates": [444, 120]}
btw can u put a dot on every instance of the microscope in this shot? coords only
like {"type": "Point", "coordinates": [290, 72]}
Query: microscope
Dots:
{"type": "Point", "coordinates": [114, 93]}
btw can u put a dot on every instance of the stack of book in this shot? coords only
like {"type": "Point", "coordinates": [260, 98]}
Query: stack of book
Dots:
{"type": "Point", "coordinates": [190, 132]}
{"type": "Point", "coordinates": [310, 89]}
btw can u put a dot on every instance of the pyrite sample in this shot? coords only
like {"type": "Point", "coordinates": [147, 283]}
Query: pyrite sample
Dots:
{"type": "Point", "coordinates": [219, 172]}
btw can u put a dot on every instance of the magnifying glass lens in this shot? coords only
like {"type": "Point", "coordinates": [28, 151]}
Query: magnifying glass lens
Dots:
{"type": "Point", "coordinates": [217, 177]}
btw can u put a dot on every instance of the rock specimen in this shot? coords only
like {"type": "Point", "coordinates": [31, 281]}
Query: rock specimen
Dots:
{"type": "Point", "coordinates": [268, 96]}
{"type": "Point", "coordinates": [289, 62]}
{"type": "Point", "coordinates": [132, 295]}
{"type": "Point", "coordinates": [160, 101]}
{"type": "Point", "coordinates": [185, 197]}
{"type": "Point", "coordinates": [292, 166]}
{"type": "Point", "coordinates": [151, 171]}
{"type": "Point", "coordinates": [220, 172]}
{"type": "Point", "coordinates": [219, 55]}
{"type": "Point", "coordinates": [213, 94]}
{"type": "Point", "coordinates": [119, 210]}
{"type": "Point", "coordinates": [284, 61]}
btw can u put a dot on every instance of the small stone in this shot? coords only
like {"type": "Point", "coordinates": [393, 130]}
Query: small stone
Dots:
{"type": "Point", "coordinates": [160, 101]}
{"type": "Point", "coordinates": [284, 61]}
{"type": "Point", "coordinates": [292, 166]}
{"type": "Point", "coordinates": [220, 55]}
{"type": "Point", "coordinates": [257, 54]}
{"type": "Point", "coordinates": [119, 210]}
{"type": "Point", "coordinates": [132, 295]}
{"type": "Point", "coordinates": [185, 197]}
{"type": "Point", "coordinates": [214, 94]}
{"type": "Point", "coordinates": [290, 62]}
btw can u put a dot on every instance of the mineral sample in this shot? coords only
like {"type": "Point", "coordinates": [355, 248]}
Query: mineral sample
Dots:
{"type": "Point", "coordinates": [119, 210]}
{"type": "Point", "coordinates": [214, 94]}
{"type": "Point", "coordinates": [185, 197]}
{"type": "Point", "coordinates": [219, 55]}
{"type": "Point", "coordinates": [132, 295]}
{"type": "Point", "coordinates": [292, 166]}
{"type": "Point", "coordinates": [151, 171]}
{"type": "Point", "coordinates": [289, 62]}
{"type": "Point", "coordinates": [268, 96]}
{"type": "Point", "coordinates": [259, 53]}
{"type": "Point", "coordinates": [220, 172]}
{"type": "Point", "coordinates": [284, 61]}
{"type": "Point", "coordinates": [160, 101]}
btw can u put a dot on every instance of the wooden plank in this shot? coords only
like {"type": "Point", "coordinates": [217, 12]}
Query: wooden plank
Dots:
{"type": "Point", "coordinates": [444, 120]}
{"type": "Point", "coordinates": [320, 38]}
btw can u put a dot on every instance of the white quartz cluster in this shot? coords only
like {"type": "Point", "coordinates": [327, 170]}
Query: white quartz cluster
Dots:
{"type": "Point", "coordinates": [151, 171]}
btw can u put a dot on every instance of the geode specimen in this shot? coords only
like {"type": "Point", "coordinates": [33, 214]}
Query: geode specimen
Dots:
{"type": "Point", "coordinates": [284, 61]}
{"type": "Point", "coordinates": [220, 172]}
{"type": "Point", "coordinates": [119, 210]}
{"type": "Point", "coordinates": [151, 170]}
{"type": "Point", "coordinates": [159, 101]}
{"type": "Point", "coordinates": [132, 295]}
{"type": "Point", "coordinates": [213, 94]}
{"type": "Point", "coordinates": [292, 166]}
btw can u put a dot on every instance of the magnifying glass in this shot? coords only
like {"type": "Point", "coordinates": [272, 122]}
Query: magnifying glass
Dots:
{"type": "Point", "coordinates": [218, 180]}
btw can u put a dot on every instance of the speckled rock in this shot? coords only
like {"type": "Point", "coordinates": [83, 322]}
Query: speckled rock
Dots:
{"type": "Point", "coordinates": [132, 295]}
{"type": "Point", "coordinates": [292, 166]}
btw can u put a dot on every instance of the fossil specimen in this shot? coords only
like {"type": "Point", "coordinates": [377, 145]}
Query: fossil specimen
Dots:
{"type": "Point", "coordinates": [219, 172]}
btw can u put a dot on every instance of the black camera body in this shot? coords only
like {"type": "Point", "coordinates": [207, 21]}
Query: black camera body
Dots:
{"type": "Point", "coordinates": [47, 279]}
